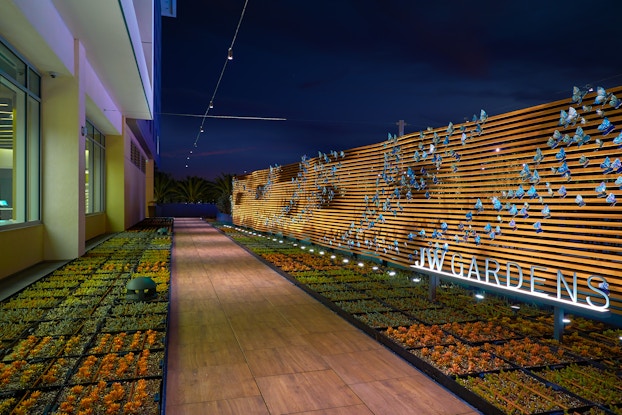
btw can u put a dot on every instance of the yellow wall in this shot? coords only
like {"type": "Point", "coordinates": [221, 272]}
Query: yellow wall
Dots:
{"type": "Point", "coordinates": [21, 248]}
{"type": "Point", "coordinates": [95, 225]}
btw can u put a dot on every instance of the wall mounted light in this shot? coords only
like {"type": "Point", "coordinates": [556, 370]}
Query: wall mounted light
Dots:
{"type": "Point", "coordinates": [230, 54]}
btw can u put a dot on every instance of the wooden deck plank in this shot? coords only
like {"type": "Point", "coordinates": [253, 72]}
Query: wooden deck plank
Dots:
{"type": "Point", "coordinates": [239, 346]}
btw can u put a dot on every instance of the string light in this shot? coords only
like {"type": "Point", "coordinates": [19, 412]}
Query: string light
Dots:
{"type": "Point", "coordinates": [222, 72]}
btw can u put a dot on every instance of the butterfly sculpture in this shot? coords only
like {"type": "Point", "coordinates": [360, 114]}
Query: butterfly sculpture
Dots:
{"type": "Point", "coordinates": [579, 201]}
{"type": "Point", "coordinates": [538, 157]}
{"type": "Point", "coordinates": [513, 224]}
{"type": "Point", "coordinates": [422, 233]}
{"type": "Point", "coordinates": [554, 140]}
{"type": "Point", "coordinates": [520, 192]}
{"type": "Point", "coordinates": [513, 210]}
{"type": "Point", "coordinates": [606, 165]}
{"type": "Point", "coordinates": [469, 216]}
{"type": "Point", "coordinates": [578, 94]}
{"type": "Point", "coordinates": [532, 192]}
{"type": "Point", "coordinates": [618, 182]}
{"type": "Point", "coordinates": [568, 118]}
{"type": "Point", "coordinates": [450, 128]}
{"type": "Point", "coordinates": [601, 96]}
{"type": "Point", "coordinates": [561, 155]}
{"type": "Point", "coordinates": [496, 204]}
{"type": "Point", "coordinates": [535, 177]}
{"type": "Point", "coordinates": [538, 227]}
{"type": "Point", "coordinates": [584, 161]}
{"type": "Point", "coordinates": [525, 211]}
{"type": "Point", "coordinates": [525, 173]}
{"type": "Point", "coordinates": [498, 230]}
{"type": "Point", "coordinates": [611, 199]}
{"type": "Point", "coordinates": [477, 239]}
{"type": "Point", "coordinates": [483, 116]}
{"type": "Point", "coordinates": [615, 102]}
{"type": "Point", "coordinates": [618, 140]}
{"type": "Point", "coordinates": [616, 166]}
{"type": "Point", "coordinates": [564, 170]}
{"type": "Point", "coordinates": [546, 212]}
{"type": "Point", "coordinates": [606, 126]}
{"type": "Point", "coordinates": [579, 137]}
{"type": "Point", "coordinates": [599, 143]}
{"type": "Point", "coordinates": [479, 206]}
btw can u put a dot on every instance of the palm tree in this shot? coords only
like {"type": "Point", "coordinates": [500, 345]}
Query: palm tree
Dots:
{"type": "Point", "coordinates": [164, 188]}
{"type": "Point", "coordinates": [193, 190]}
{"type": "Point", "coordinates": [220, 192]}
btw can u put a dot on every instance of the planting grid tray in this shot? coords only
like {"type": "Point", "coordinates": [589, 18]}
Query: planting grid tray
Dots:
{"type": "Point", "coordinates": [503, 361]}
{"type": "Point", "coordinates": [71, 341]}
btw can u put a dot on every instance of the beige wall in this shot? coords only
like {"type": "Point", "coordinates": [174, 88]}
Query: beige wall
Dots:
{"type": "Point", "coordinates": [21, 248]}
{"type": "Point", "coordinates": [95, 225]}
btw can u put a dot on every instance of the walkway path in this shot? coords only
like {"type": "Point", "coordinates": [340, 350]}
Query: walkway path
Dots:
{"type": "Point", "coordinates": [244, 340]}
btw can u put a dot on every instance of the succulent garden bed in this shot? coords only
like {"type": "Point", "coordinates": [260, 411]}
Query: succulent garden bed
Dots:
{"type": "Point", "coordinates": [71, 343]}
{"type": "Point", "coordinates": [502, 359]}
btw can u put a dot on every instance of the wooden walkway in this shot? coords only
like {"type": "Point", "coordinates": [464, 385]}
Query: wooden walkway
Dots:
{"type": "Point", "coordinates": [244, 340]}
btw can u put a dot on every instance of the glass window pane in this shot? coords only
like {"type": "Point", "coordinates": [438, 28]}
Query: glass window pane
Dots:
{"type": "Point", "coordinates": [34, 162]}
{"type": "Point", "coordinates": [34, 82]}
{"type": "Point", "coordinates": [12, 65]}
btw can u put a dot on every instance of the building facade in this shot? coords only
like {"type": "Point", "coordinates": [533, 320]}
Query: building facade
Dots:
{"type": "Point", "coordinates": [79, 131]}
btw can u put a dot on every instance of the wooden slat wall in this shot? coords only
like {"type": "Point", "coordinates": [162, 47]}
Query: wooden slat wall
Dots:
{"type": "Point", "coordinates": [294, 199]}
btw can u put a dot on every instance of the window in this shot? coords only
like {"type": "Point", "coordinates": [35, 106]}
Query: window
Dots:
{"type": "Point", "coordinates": [95, 160]}
{"type": "Point", "coordinates": [19, 140]}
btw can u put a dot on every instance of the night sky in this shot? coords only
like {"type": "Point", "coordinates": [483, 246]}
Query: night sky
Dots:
{"type": "Point", "coordinates": [344, 72]}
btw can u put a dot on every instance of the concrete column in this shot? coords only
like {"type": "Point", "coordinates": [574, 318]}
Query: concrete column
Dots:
{"type": "Point", "coordinates": [63, 162]}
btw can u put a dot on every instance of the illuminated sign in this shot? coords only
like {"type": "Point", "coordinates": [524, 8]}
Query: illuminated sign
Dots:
{"type": "Point", "coordinates": [510, 277]}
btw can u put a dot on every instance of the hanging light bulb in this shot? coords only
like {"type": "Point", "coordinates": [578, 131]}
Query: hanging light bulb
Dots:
{"type": "Point", "coordinates": [211, 104]}
{"type": "Point", "coordinates": [201, 129]}
{"type": "Point", "coordinates": [230, 54]}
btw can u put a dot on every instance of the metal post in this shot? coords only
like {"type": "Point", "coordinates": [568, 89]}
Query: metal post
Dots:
{"type": "Point", "coordinates": [434, 281]}
{"type": "Point", "coordinates": [558, 320]}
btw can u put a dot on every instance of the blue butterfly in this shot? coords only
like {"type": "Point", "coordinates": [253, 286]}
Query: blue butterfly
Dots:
{"type": "Point", "coordinates": [525, 173]}
{"type": "Point", "coordinates": [478, 205]}
{"type": "Point", "coordinates": [446, 140]}
{"type": "Point", "coordinates": [450, 128]}
{"type": "Point", "coordinates": [606, 165]}
{"type": "Point", "coordinates": [553, 141]}
{"type": "Point", "coordinates": [616, 166]}
{"type": "Point", "coordinates": [561, 154]}
{"type": "Point", "coordinates": [491, 235]}
{"type": "Point", "coordinates": [427, 195]}
{"type": "Point", "coordinates": [599, 142]}
{"type": "Point", "coordinates": [578, 94]}
{"type": "Point", "coordinates": [546, 212]}
{"type": "Point", "coordinates": [606, 127]}
{"type": "Point", "coordinates": [445, 247]}
{"type": "Point", "coordinates": [460, 226]}
{"type": "Point", "coordinates": [444, 226]}
{"type": "Point", "coordinates": [601, 95]}
{"type": "Point", "coordinates": [483, 116]}
{"type": "Point", "coordinates": [538, 227]}
{"type": "Point", "coordinates": [584, 161]}
{"type": "Point", "coordinates": [611, 199]}
{"type": "Point", "coordinates": [422, 233]}
{"type": "Point", "coordinates": [510, 194]}
{"type": "Point", "coordinates": [469, 216]}
{"type": "Point", "coordinates": [618, 140]}
{"type": "Point", "coordinates": [477, 239]}
{"type": "Point", "coordinates": [579, 137]}
{"type": "Point", "coordinates": [525, 211]}
{"type": "Point", "coordinates": [618, 182]}
{"type": "Point", "coordinates": [562, 192]}
{"type": "Point", "coordinates": [615, 102]}
{"type": "Point", "coordinates": [512, 224]}
{"type": "Point", "coordinates": [538, 157]}
{"type": "Point", "coordinates": [496, 204]}
{"type": "Point", "coordinates": [567, 118]}
{"type": "Point", "coordinates": [487, 228]}
{"type": "Point", "coordinates": [463, 138]}
{"type": "Point", "coordinates": [513, 210]}
{"type": "Point", "coordinates": [579, 201]}
{"type": "Point", "coordinates": [532, 192]}
{"type": "Point", "coordinates": [498, 230]}
{"type": "Point", "coordinates": [564, 170]}
{"type": "Point", "coordinates": [520, 192]}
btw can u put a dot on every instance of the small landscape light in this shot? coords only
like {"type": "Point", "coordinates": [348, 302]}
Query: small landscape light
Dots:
{"type": "Point", "coordinates": [333, 257]}
{"type": "Point", "coordinates": [416, 279]}
{"type": "Point", "coordinates": [346, 260]}
{"type": "Point", "coordinates": [311, 250]}
{"type": "Point", "coordinates": [375, 268]}
{"type": "Point", "coordinates": [566, 320]}
{"type": "Point", "coordinates": [479, 296]}
{"type": "Point", "coordinates": [361, 264]}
